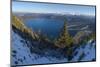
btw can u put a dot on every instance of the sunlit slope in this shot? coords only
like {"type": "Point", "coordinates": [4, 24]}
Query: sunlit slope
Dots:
{"type": "Point", "coordinates": [19, 25]}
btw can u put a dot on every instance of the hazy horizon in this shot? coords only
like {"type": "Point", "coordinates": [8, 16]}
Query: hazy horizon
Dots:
{"type": "Point", "coordinates": [33, 7]}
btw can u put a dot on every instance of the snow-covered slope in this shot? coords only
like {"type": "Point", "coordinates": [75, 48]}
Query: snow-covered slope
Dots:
{"type": "Point", "coordinates": [86, 51]}
{"type": "Point", "coordinates": [21, 55]}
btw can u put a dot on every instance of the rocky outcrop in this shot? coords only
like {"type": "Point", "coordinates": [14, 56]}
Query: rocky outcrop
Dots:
{"type": "Point", "coordinates": [81, 35]}
{"type": "Point", "coordinates": [19, 25]}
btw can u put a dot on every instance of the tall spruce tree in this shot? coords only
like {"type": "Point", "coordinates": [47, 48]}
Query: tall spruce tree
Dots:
{"type": "Point", "coordinates": [64, 40]}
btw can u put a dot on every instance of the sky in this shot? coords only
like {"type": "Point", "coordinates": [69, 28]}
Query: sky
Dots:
{"type": "Point", "coordinates": [33, 7]}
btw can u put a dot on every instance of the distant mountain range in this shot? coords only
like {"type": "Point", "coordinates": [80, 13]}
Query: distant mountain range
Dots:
{"type": "Point", "coordinates": [70, 17]}
{"type": "Point", "coordinates": [79, 21]}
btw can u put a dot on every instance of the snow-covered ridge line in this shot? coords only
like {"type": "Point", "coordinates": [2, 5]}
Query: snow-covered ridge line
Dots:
{"type": "Point", "coordinates": [21, 54]}
{"type": "Point", "coordinates": [26, 49]}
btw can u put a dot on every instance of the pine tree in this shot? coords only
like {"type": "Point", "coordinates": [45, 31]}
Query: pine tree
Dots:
{"type": "Point", "coordinates": [64, 40]}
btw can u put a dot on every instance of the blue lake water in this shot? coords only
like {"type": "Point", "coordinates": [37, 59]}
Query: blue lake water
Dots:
{"type": "Point", "coordinates": [48, 27]}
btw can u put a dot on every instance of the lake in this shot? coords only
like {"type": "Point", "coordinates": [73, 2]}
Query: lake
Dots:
{"type": "Point", "coordinates": [47, 27]}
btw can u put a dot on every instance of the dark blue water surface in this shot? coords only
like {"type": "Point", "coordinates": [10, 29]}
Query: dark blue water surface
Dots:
{"type": "Point", "coordinates": [48, 27]}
